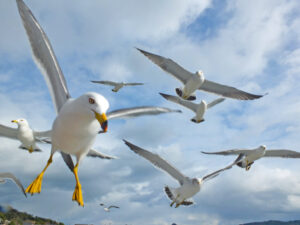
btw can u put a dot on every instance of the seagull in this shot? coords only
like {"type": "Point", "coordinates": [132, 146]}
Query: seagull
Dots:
{"type": "Point", "coordinates": [199, 109]}
{"type": "Point", "coordinates": [78, 121]}
{"type": "Point", "coordinates": [117, 85]}
{"type": "Point", "coordinates": [107, 209]}
{"type": "Point", "coordinates": [12, 177]}
{"type": "Point", "coordinates": [188, 186]}
{"type": "Point", "coordinates": [194, 81]}
{"type": "Point", "coordinates": [251, 155]}
{"type": "Point", "coordinates": [25, 135]}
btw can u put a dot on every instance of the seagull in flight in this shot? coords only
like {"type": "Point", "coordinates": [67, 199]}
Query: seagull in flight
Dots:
{"type": "Point", "coordinates": [107, 209]}
{"type": "Point", "coordinates": [12, 177]}
{"type": "Point", "coordinates": [25, 135]}
{"type": "Point", "coordinates": [188, 186]}
{"type": "Point", "coordinates": [195, 81]}
{"type": "Point", "coordinates": [199, 109]}
{"type": "Point", "coordinates": [251, 155]}
{"type": "Point", "coordinates": [117, 85]}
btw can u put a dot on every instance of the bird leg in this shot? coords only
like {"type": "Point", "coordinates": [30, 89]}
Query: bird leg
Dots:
{"type": "Point", "coordinates": [248, 165]}
{"type": "Point", "coordinates": [77, 195]}
{"type": "Point", "coordinates": [178, 204]}
{"type": "Point", "coordinates": [172, 203]}
{"type": "Point", "coordinates": [30, 149]}
{"type": "Point", "coordinates": [36, 185]}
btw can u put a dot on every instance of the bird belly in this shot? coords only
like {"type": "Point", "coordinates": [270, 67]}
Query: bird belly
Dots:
{"type": "Point", "coordinates": [27, 138]}
{"type": "Point", "coordinates": [187, 191]}
{"type": "Point", "coordinates": [73, 136]}
{"type": "Point", "coordinates": [200, 112]}
{"type": "Point", "coordinates": [191, 86]}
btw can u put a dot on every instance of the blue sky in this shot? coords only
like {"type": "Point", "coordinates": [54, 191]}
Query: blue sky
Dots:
{"type": "Point", "coordinates": [252, 45]}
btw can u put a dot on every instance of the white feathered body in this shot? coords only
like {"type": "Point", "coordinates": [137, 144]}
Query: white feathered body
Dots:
{"type": "Point", "coordinates": [118, 86]}
{"type": "Point", "coordinates": [189, 188]}
{"type": "Point", "coordinates": [74, 129]}
{"type": "Point", "coordinates": [253, 156]}
{"type": "Point", "coordinates": [26, 136]}
{"type": "Point", "coordinates": [200, 111]}
{"type": "Point", "coordinates": [192, 84]}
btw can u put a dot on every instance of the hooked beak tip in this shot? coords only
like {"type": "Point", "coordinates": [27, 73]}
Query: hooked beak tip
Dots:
{"type": "Point", "coordinates": [104, 126]}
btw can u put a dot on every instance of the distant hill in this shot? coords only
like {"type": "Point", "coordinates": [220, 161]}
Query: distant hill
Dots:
{"type": "Point", "coordinates": [274, 222]}
{"type": "Point", "coordinates": [11, 216]}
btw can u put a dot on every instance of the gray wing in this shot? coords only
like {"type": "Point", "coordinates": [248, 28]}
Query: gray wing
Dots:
{"type": "Point", "coordinates": [106, 82]}
{"type": "Point", "coordinates": [42, 134]}
{"type": "Point", "coordinates": [230, 152]}
{"type": "Point", "coordinates": [215, 102]}
{"type": "Point", "coordinates": [16, 180]}
{"type": "Point", "coordinates": [8, 132]}
{"type": "Point", "coordinates": [113, 206]}
{"type": "Point", "coordinates": [94, 153]}
{"type": "Point", "coordinates": [188, 104]}
{"type": "Point", "coordinates": [157, 161]}
{"type": "Point", "coordinates": [138, 111]}
{"type": "Point", "coordinates": [216, 173]}
{"type": "Point", "coordinates": [284, 153]}
{"type": "Point", "coordinates": [133, 84]}
{"type": "Point", "coordinates": [169, 66]}
{"type": "Point", "coordinates": [44, 57]}
{"type": "Point", "coordinates": [227, 91]}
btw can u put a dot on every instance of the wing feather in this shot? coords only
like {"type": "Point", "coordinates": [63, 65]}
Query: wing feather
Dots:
{"type": "Point", "coordinates": [188, 104]}
{"type": "Point", "coordinates": [230, 152]}
{"type": "Point", "coordinates": [105, 82]}
{"type": "Point", "coordinates": [16, 180]}
{"type": "Point", "coordinates": [8, 132]}
{"type": "Point", "coordinates": [94, 153]}
{"type": "Point", "coordinates": [216, 173]}
{"type": "Point", "coordinates": [138, 111]}
{"type": "Point", "coordinates": [227, 91]}
{"type": "Point", "coordinates": [284, 153]}
{"type": "Point", "coordinates": [215, 102]}
{"type": "Point", "coordinates": [169, 66]}
{"type": "Point", "coordinates": [157, 161]}
{"type": "Point", "coordinates": [44, 56]}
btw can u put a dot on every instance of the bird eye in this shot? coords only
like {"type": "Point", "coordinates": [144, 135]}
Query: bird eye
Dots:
{"type": "Point", "coordinates": [91, 101]}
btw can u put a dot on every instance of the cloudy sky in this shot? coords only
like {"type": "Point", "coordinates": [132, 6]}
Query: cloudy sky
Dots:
{"type": "Point", "coordinates": [253, 45]}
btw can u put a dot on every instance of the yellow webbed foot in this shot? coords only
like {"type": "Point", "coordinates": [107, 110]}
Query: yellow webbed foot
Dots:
{"type": "Point", "coordinates": [36, 185]}
{"type": "Point", "coordinates": [30, 149]}
{"type": "Point", "coordinates": [77, 195]}
{"type": "Point", "coordinates": [177, 205]}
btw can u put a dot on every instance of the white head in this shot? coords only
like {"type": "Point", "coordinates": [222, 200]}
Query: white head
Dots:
{"type": "Point", "coordinates": [200, 73]}
{"type": "Point", "coordinates": [21, 122]}
{"type": "Point", "coordinates": [97, 105]}
{"type": "Point", "coordinates": [263, 147]}
{"type": "Point", "coordinates": [197, 181]}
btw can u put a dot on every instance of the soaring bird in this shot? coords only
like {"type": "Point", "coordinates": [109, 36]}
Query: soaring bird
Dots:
{"type": "Point", "coordinates": [12, 177]}
{"type": "Point", "coordinates": [199, 109]}
{"type": "Point", "coordinates": [107, 209]}
{"type": "Point", "coordinates": [77, 122]}
{"type": "Point", "coordinates": [251, 155]}
{"type": "Point", "coordinates": [188, 186]}
{"type": "Point", "coordinates": [25, 135]}
{"type": "Point", "coordinates": [195, 81]}
{"type": "Point", "coordinates": [117, 85]}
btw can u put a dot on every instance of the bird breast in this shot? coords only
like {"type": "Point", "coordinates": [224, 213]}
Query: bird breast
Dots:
{"type": "Point", "coordinates": [192, 84]}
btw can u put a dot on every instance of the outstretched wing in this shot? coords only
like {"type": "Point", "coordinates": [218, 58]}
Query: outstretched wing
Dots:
{"type": "Point", "coordinates": [169, 66]}
{"type": "Point", "coordinates": [230, 152]}
{"type": "Point", "coordinates": [215, 102]}
{"type": "Point", "coordinates": [284, 153]}
{"type": "Point", "coordinates": [44, 57]}
{"type": "Point", "coordinates": [16, 180]}
{"type": "Point", "coordinates": [157, 161]}
{"type": "Point", "coordinates": [105, 82]}
{"type": "Point", "coordinates": [216, 173]}
{"type": "Point", "coordinates": [138, 111]}
{"type": "Point", "coordinates": [113, 206]}
{"type": "Point", "coordinates": [8, 132]}
{"type": "Point", "coordinates": [133, 84]}
{"type": "Point", "coordinates": [94, 153]}
{"type": "Point", "coordinates": [188, 104]}
{"type": "Point", "coordinates": [227, 91]}
{"type": "Point", "coordinates": [42, 134]}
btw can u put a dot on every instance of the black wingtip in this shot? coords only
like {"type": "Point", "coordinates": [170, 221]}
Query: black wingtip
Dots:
{"type": "Point", "coordinates": [164, 95]}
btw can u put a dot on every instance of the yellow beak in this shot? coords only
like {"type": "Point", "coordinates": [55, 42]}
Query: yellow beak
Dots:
{"type": "Point", "coordinates": [102, 120]}
{"type": "Point", "coordinates": [14, 121]}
